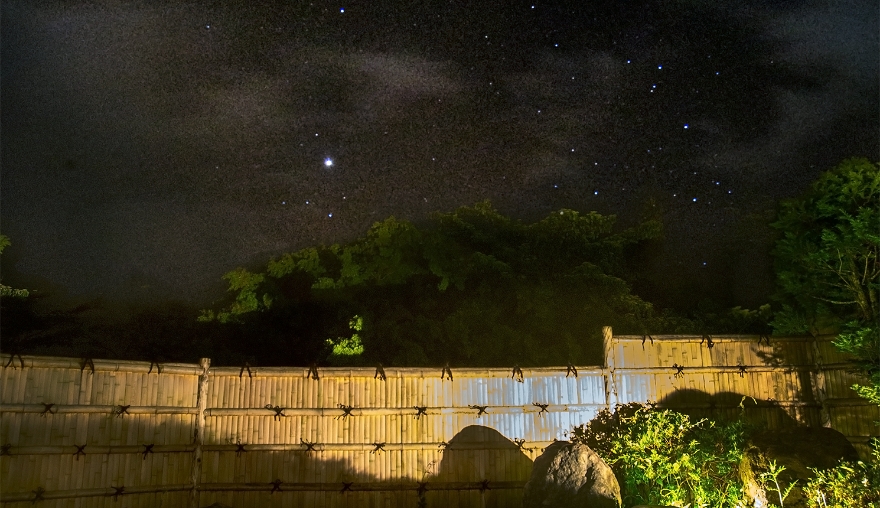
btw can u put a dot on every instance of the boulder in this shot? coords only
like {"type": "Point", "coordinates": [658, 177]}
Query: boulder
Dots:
{"type": "Point", "coordinates": [569, 475]}
{"type": "Point", "coordinates": [797, 449]}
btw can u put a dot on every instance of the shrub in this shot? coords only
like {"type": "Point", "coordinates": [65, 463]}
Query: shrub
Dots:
{"type": "Point", "coordinates": [849, 484]}
{"type": "Point", "coordinates": [663, 457]}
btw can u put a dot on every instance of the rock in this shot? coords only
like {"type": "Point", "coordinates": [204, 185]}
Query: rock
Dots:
{"type": "Point", "coordinates": [569, 475]}
{"type": "Point", "coordinates": [797, 449]}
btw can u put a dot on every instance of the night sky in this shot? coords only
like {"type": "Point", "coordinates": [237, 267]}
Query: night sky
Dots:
{"type": "Point", "coordinates": [149, 147]}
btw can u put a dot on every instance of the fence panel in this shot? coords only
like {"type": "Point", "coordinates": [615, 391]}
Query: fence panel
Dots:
{"type": "Point", "coordinates": [85, 432]}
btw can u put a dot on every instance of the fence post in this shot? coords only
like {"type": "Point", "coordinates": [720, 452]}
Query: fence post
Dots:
{"type": "Point", "coordinates": [199, 435]}
{"type": "Point", "coordinates": [820, 392]}
{"type": "Point", "coordinates": [610, 384]}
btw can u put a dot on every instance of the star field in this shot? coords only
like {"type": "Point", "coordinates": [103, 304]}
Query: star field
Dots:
{"type": "Point", "coordinates": [147, 149]}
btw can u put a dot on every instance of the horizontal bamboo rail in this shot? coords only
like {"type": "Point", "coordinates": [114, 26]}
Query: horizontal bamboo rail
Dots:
{"type": "Point", "coordinates": [45, 495]}
{"type": "Point", "coordinates": [276, 486]}
{"type": "Point", "coordinates": [120, 411]}
{"type": "Point", "coordinates": [244, 447]}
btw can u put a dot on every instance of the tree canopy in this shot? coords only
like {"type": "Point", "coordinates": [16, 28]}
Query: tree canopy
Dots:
{"type": "Point", "coordinates": [828, 263]}
{"type": "Point", "coordinates": [471, 287]}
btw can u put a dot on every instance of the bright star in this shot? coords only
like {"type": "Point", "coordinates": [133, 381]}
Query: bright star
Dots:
{"type": "Point", "coordinates": [328, 162]}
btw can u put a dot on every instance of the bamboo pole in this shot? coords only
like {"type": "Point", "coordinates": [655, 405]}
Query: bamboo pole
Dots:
{"type": "Point", "coordinates": [610, 383]}
{"type": "Point", "coordinates": [355, 486]}
{"type": "Point", "coordinates": [11, 497]}
{"type": "Point", "coordinates": [391, 411]}
{"type": "Point", "coordinates": [120, 411]}
{"type": "Point", "coordinates": [199, 434]}
{"type": "Point", "coordinates": [85, 365]}
{"type": "Point", "coordinates": [817, 380]}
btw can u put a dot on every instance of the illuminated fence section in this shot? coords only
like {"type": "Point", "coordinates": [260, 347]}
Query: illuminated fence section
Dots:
{"type": "Point", "coordinates": [91, 432]}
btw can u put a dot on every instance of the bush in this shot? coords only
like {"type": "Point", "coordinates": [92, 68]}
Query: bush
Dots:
{"type": "Point", "coordinates": [849, 484]}
{"type": "Point", "coordinates": [663, 457]}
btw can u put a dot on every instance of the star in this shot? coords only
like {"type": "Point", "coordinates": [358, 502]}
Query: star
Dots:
{"type": "Point", "coordinates": [328, 162]}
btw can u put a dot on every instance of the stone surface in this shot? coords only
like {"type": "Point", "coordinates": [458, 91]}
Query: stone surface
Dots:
{"type": "Point", "coordinates": [797, 449]}
{"type": "Point", "coordinates": [569, 475]}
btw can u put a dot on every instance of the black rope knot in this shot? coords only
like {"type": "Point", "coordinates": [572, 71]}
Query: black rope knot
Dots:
{"type": "Point", "coordinates": [764, 338]}
{"type": "Point", "coordinates": [47, 409]}
{"type": "Point", "coordinates": [346, 486]}
{"type": "Point", "coordinates": [245, 367]}
{"type": "Point", "coordinates": [158, 367]}
{"type": "Point", "coordinates": [378, 447]}
{"type": "Point", "coordinates": [481, 410]}
{"type": "Point", "coordinates": [542, 406]}
{"type": "Point", "coordinates": [86, 362]}
{"type": "Point", "coordinates": [118, 491]}
{"type": "Point", "coordinates": [484, 486]}
{"type": "Point", "coordinates": [679, 370]}
{"type": "Point", "coordinates": [310, 447]}
{"type": "Point", "coordinates": [80, 450]}
{"type": "Point", "coordinates": [741, 368]}
{"type": "Point", "coordinates": [520, 443]}
{"type": "Point", "coordinates": [12, 357]}
{"type": "Point", "coordinates": [276, 486]}
{"type": "Point", "coordinates": [313, 372]}
{"type": "Point", "coordinates": [148, 448]}
{"type": "Point", "coordinates": [239, 449]}
{"type": "Point", "coordinates": [571, 369]}
{"type": "Point", "coordinates": [346, 411]}
{"type": "Point", "coordinates": [446, 371]}
{"type": "Point", "coordinates": [38, 495]}
{"type": "Point", "coordinates": [279, 411]}
{"type": "Point", "coordinates": [380, 373]}
{"type": "Point", "coordinates": [517, 374]}
{"type": "Point", "coordinates": [708, 340]}
{"type": "Point", "coordinates": [121, 410]}
{"type": "Point", "coordinates": [647, 337]}
{"type": "Point", "coordinates": [420, 410]}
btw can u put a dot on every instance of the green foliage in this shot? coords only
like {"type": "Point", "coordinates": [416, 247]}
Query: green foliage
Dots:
{"type": "Point", "coordinates": [847, 485]}
{"type": "Point", "coordinates": [7, 291]}
{"type": "Point", "coordinates": [348, 346]}
{"type": "Point", "coordinates": [770, 480]}
{"type": "Point", "coordinates": [863, 342]}
{"type": "Point", "coordinates": [827, 263]}
{"type": "Point", "coordinates": [662, 457]}
{"type": "Point", "coordinates": [471, 287]}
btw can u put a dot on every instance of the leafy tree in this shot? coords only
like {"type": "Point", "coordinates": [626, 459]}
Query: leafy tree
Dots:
{"type": "Point", "coordinates": [828, 263]}
{"type": "Point", "coordinates": [471, 287]}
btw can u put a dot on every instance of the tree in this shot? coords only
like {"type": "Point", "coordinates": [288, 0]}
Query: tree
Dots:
{"type": "Point", "coordinates": [471, 287]}
{"type": "Point", "coordinates": [828, 263]}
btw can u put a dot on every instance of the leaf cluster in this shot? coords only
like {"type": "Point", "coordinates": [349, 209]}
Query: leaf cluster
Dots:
{"type": "Point", "coordinates": [662, 457]}
{"type": "Point", "coordinates": [471, 287]}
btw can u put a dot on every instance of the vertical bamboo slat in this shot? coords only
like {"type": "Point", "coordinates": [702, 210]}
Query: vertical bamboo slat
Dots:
{"type": "Point", "coordinates": [199, 432]}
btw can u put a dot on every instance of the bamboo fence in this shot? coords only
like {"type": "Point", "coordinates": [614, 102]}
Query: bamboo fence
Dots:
{"type": "Point", "coordinates": [83, 432]}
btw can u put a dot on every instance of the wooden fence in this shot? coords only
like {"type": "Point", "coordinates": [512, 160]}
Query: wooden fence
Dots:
{"type": "Point", "coordinates": [82, 432]}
